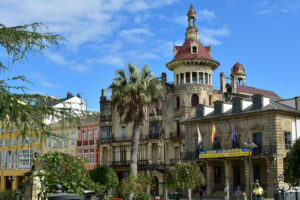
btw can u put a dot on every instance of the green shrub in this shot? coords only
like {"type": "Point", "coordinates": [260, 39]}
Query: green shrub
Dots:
{"type": "Point", "coordinates": [140, 195]}
{"type": "Point", "coordinates": [7, 195]}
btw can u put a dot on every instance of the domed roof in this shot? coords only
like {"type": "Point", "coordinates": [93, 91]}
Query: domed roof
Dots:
{"type": "Point", "coordinates": [185, 51]}
{"type": "Point", "coordinates": [238, 68]}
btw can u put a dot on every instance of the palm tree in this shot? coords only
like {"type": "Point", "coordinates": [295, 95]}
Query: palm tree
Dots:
{"type": "Point", "coordinates": [134, 95]}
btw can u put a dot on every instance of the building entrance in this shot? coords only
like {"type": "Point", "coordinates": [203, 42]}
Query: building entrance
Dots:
{"type": "Point", "coordinates": [236, 176]}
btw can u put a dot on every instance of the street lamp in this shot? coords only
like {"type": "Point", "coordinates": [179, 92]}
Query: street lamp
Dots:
{"type": "Point", "coordinates": [11, 178]}
{"type": "Point", "coordinates": [250, 146]}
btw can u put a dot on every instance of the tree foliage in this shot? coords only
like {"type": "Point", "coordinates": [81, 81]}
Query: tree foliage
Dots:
{"type": "Point", "coordinates": [106, 176]}
{"type": "Point", "coordinates": [56, 168]}
{"type": "Point", "coordinates": [18, 109]}
{"type": "Point", "coordinates": [134, 95]}
{"type": "Point", "coordinates": [184, 175]}
{"type": "Point", "coordinates": [292, 164]}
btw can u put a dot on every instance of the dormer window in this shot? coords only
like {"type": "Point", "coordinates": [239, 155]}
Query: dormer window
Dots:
{"type": "Point", "coordinates": [194, 47]}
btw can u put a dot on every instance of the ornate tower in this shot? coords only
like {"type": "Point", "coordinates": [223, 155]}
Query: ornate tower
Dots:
{"type": "Point", "coordinates": [238, 76]}
{"type": "Point", "coordinates": [192, 66]}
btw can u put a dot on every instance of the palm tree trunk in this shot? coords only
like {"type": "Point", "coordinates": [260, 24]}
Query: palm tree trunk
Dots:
{"type": "Point", "coordinates": [134, 148]}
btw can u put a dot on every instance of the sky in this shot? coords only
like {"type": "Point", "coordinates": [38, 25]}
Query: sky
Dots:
{"type": "Point", "coordinates": [104, 35]}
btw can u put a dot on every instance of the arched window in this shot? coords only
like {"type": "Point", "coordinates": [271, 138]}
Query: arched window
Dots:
{"type": "Point", "coordinates": [195, 100]}
{"type": "Point", "coordinates": [177, 102]}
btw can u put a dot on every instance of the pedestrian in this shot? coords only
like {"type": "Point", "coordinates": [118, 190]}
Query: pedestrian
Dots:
{"type": "Point", "coordinates": [258, 192]}
{"type": "Point", "coordinates": [201, 193]}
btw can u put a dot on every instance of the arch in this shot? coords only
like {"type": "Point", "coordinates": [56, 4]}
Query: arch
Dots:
{"type": "Point", "coordinates": [155, 187]}
{"type": "Point", "coordinates": [194, 100]}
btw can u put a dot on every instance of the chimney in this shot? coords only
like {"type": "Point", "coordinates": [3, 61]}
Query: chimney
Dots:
{"type": "Point", "coordinates": [222, 79]}
{"type": "Point", "coordinates": [69, 95]}
{"type": "Point", "coordinates": [103, 96]}
{"type": "Point", "coordinates": [163, 78]}
{"type": "Point", "coordinates": [297, 103]}
{"type": "Point", "coordinates": [78, 95]}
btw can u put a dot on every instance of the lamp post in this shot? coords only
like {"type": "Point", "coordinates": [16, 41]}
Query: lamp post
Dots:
{"type": "Point", "coordinates": [250, 146]}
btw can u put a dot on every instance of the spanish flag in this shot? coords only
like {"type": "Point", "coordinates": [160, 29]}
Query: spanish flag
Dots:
{"type": "Point", "coordinates": [213, 133]}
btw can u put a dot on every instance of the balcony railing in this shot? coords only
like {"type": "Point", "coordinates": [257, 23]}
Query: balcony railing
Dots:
{"type": "Point", "coordinates": [154, 135]}
{"type": "Point", "coordinates": [79, 143]}
{"type": "Point", "coordinates": [142, 162]}
{"type": "Point", "coordinates": [91, 142]}
{"type": "Point", "coordinates": [176, 135]}
{"type": "Point", "coordinates": [174, 161]}
{"type": "Point", "coordinates": [85, 142]}
{"type": "Point", "coordinates": [105, 118]}
{"type": "Point", "coordinates": [105, 140]}
{"type": "Point", "coordinates": [189, 155]}
{"type": "Point", "coordinates": [121, 139]}
{"type": "Point", "coordinates": [120, 163]}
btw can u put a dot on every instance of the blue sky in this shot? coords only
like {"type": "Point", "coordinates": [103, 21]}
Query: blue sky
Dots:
{"type": "Point", "coordinates": [104, 35]}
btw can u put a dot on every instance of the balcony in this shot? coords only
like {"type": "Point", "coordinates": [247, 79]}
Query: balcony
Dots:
{"type": "Point", "coordinates": [174, 161]}
{"type": "Point", "coordinates": [91, 142]}
{"type": "Point", "coordinates": [142, 162]}
{"type": "Point", "coordinates": [122, 139]}
{"type": "Point", "coordinates": [155, 135]}
{"type": "Point", "coordinates": [120, 163]}
{"type": "Point", "coordinates": [176, 135]}
{"type": "Point", "coordinates": [79, 143]}
{"type": "Point", "coordinates": [189, 155]}
{"type": "Point", "coordinates": [105, 118]}
{"type": "Point", "coordinates": [104, 140]}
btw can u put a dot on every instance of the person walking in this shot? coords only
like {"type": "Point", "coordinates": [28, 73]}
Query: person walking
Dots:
{"type": "Point", "coordinates": [258, 192]}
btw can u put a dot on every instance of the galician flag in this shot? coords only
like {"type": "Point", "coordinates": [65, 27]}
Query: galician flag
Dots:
{"type": "Point", "coordinates": [213, 133]}
{"type": "Point", "coordinates": [233, 132]}
{"type": "Point", "coordinates": [199, 135]}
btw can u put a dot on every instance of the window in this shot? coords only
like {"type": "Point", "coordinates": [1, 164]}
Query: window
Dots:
{"type": "Point", "coordinates": [95, 133]}
{"type": "Point", "coordinates": [206, 78]}
{"type": "Point", "coordinates": [80, 153]}
{"type": "Point", "coordinates": [177, 152]}
{"type": "Point", "coordinates": [194, 100]}
{"type": "Point", "coordinates": [65, 139]}
{"type": "Point", "coordinates": [217, 173]}
{"type": "Point", "coordinates": [210, 99]}
{"type": "Point", "coordinates": [256, 170]}
{"type": "Point", "coordinates": [258, 141]}
{"type": "Point", "coordinates": [58, 143]}
{"type": "Point", "coordinates": [105, 131]}
{"type": "Point", "coordinates": [123, 132]}
{"type": "Point", "coordinates": [194, 50]}
{"type": "Point", "coordinates": [200, 77]}
{"type": "Point", "coordinates": [181, 78]}
{"type": "Point", "coordinates": [89, 134]}
{"type": "Point", "coordinates": [177, 102]}
{"type": "Point", "coordinates": [187, 77]}
{"type": "Point", "coordinates": [209, 78]}
{"type": "Point", "coordinates": [3, 160]}
{"type": "Point", "coordinates": [123, 153]}
{"type": "Point", "coordinates": [73, 138]}
{"type": "Point", "coordinates": [18, 141]}
{"type": "Point", "coordinates": [236, 143]}
{"type": "Point", "coordinates": [217, 143]}
{"type": "Point", "coordinates": [287, 140]}
{"type": "Point", "coordinates": [37, 139]}
{"type": "Point", "coordinates": [49, 141]}
{"type": "Point", "coordinates": [0, 130]}
{"type": "Point", "coordinates": [92, 156]}
{"type": "Point", "coordinates": [16, 159]}
{"type": "Point", "coordinates": [5, 143]}
{"type": "Point", "coordinates": [178, 128]}
{"type": "Point", "coordinates": [9, 159]}
{"type": "Point", "coordinates": [83, 134]}
{"type": "Point", "coordinates": [155, 127]}
{"type": "Point", "coordinates": [86, 154]}
{"type": "Point", "coordinates": [27, 140]}
{"type": "Point", "coordinates": [177, 79]}
{"type": "Point", "coordinates": [11, 141]}
{"type": "Point", "coordinates": [194, 75]}
{"type": "Point", "coordinates": [24, 159]}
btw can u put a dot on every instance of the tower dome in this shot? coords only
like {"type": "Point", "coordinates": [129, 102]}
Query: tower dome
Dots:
{"type": "Point", "coordinates": [238, 76]}
{"type": "Point", "coordinates": [238, 68]}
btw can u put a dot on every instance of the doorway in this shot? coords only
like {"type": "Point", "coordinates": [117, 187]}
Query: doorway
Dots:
{"type": "Point", "coordinates": [236, 176]}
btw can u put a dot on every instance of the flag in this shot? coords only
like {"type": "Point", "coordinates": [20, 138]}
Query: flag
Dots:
{"type": "Point", "coordinates": [233, 132]}
{"type": "Point", "coordinates": [199, 136]}
{"type": "Point", "coordinates": [213, 133]}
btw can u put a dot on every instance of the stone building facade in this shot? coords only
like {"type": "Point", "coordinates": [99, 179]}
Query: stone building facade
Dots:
{"type": "Point", "coordinates": [168, 136]}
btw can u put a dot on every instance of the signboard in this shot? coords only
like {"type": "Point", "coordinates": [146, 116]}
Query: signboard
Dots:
{"type": "Point", "coordinates": [222, 153]}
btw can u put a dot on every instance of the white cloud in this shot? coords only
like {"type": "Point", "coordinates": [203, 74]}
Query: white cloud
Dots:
{"type": "Point", "coordinates": [209, 36]}
{"type": "Point", "coordinates": [136, 35]}
{"type": "Point", "coordinates": [60, 60]}
{"type": "Point", "coordinates": [267, 7]}
{"type": "Point", "coordinates": [42, 80]}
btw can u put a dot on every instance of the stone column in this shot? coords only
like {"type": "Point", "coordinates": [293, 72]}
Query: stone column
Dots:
{"type": "Point", "coordinates": [209, 178]}
{"type": "Point", "coordinates": [101, 156]}
{"type": "Point", "coordinates": [149, 152]}
{"type": "Point", "coordinates": [246, 163]}
{"type": "Point", "coordinates": [15, 184]}
{"type": "Point", "coordinates": [3, 183]}
{"type": "Point", "coordinates": [159, 153]}
{"type": "Point", "coordinates": [228, 174]}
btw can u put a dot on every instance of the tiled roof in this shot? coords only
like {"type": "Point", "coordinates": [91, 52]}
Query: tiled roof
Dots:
{"type": "Point", "coordinates": [275, 104]}
{"type": "Point", "coordinates": [185, 51]}
{"type": "Point", "coordinates": [237, 67]}
{"type": "Point", "coordinates": [252, 90]}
